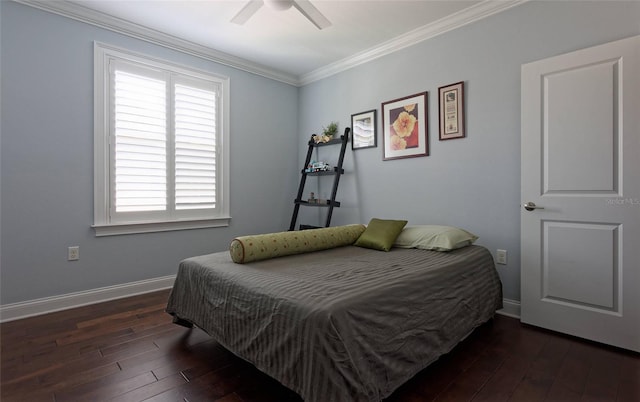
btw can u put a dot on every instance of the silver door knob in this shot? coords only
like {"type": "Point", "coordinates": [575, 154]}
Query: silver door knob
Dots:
{"type": "Point", "coordinates": [530, 206]}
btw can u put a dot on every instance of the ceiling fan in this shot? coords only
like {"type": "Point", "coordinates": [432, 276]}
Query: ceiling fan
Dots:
{"type": "Point", "coordinates": [304, 6]}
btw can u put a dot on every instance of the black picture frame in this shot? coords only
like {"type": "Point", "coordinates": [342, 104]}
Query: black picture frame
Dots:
{"type": "Point", "coordinates": [451, 111]}
{"type": "Point", "coordinates": [364, 127]}
{"type": "Point", "coordinates": [405, 127]}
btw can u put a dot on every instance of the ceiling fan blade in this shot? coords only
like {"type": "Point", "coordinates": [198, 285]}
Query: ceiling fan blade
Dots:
{"type": "Point", "coordinates": [312, 13]}
{"type": "Point", "coordinates": [247, 11]}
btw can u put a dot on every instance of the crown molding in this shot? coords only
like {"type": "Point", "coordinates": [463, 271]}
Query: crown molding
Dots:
{"type": "Point", "coordinates": [464, 17]}
{"type": "Point", "coordinates": [80, 13]}
{"type": "Point", "coordinates": [83, 14]}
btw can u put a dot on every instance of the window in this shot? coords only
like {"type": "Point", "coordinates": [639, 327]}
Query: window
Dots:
{"type": "Point", "coordinates": [161, 145]}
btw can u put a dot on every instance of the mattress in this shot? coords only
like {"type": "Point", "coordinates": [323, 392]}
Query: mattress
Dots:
{"type": "Point", "coordinates": [344, 324]}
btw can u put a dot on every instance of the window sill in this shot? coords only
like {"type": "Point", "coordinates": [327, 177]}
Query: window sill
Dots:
{"type": "Point", "coordinates": [150, 227]}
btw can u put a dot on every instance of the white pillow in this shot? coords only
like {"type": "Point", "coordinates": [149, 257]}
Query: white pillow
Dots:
{"type": "Point", "coordinates": [434, 237]}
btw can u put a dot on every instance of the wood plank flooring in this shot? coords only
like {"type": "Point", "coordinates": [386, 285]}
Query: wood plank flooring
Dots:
{"type": "Point", "coordinates": [128, 350]}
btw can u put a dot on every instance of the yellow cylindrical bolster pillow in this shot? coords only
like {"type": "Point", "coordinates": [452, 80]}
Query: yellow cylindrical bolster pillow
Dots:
{"type": "Point", "coordinates": [264, 246]}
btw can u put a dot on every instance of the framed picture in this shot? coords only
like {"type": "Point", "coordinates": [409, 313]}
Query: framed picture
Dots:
{"type": "Point", "coordinates": [451, 106]}
{"type": "Point", "coordinates": [404, 124]}
{"type": "Point", "coordinates": [363, 129]}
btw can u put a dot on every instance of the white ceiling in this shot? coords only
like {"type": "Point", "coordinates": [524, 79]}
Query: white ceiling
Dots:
{"type": "Point", "coordinates": [285, 42]}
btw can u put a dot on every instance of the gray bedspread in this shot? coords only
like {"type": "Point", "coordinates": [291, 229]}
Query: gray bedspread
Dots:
{"type": "Point", "coordinates": [345, 324]}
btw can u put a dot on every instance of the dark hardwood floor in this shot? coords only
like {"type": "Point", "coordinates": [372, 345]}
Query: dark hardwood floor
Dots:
{"type": "Point", "coordinates": [128, 350]}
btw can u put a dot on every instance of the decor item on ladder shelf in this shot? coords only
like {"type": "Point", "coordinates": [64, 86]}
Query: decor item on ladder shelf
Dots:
{"type": "Point", "coordinates": [320, 169]}
{"type": "Point", "coordinates": [327, 133]}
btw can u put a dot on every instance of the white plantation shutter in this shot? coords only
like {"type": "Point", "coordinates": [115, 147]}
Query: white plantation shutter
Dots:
{"type": "Point", "coordinates": [140, 154]}
{"type": "Point", "coordinates": [161, 145]}
{"type": "Point", "coordinates": [150, 175]}
{"type": "Point", "coordinates": [195, 147]}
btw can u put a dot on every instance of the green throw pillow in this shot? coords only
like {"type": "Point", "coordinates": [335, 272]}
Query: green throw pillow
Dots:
{"type": "Point", "coordinates": [380, 234]}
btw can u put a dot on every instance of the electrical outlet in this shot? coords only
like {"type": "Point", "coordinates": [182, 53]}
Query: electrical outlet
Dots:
{"type": "Point", "coordinates": [73, 253]}
{"type": "Point", "coordinates": [501, 257]}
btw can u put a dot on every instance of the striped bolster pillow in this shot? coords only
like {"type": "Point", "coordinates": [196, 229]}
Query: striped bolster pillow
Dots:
{"type": "Point", "coordinates": [264, 246]}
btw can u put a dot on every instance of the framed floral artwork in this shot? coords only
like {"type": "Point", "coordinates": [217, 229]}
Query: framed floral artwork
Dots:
{"type": "Point", "coordinates": [363, 129]}
{"type": "Point", "coordinates": [405, 127]}
{"type": "Point", "coordinates": [451, 105]}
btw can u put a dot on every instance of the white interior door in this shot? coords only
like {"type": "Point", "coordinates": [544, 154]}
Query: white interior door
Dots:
{"type": "Point", "coordinates": [581, 163]}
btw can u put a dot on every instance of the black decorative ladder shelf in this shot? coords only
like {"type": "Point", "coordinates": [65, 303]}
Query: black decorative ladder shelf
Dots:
{"type": "Point", "coordinates": [336, 173]}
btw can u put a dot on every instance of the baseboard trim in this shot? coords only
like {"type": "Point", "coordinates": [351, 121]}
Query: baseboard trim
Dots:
{"type": "Point", "coordinates": [510, 308]}
{"type": "Point", "coordinates": [31, 308]}
{"type": "Point", "coordinates": [16, 311]}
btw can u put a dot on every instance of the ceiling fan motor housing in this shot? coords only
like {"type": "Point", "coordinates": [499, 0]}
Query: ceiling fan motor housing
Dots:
{"type": "Point", "coordinates": [279, 5]}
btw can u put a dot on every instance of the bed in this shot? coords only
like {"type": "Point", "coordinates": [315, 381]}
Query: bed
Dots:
{"type": "Point", "coordinates": [341, 324]}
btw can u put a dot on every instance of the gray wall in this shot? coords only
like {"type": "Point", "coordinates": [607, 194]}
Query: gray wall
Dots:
{"type": "Point", "coordinates": [46, 144]}
{"type": "Point", "coordinates": [474, 182]}
{"type": "Point", "coordinates": [47, 162]}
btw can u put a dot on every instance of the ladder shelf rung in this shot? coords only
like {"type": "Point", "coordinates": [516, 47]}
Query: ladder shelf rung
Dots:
{"type": "Point", "coordinates": [324, 203]}
{"type": "Point", "coordinates": [323, 172]}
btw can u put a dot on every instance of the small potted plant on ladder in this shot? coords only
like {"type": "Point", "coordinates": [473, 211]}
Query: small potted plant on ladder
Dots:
{"type": "Point", "coordinates": [329, 132]}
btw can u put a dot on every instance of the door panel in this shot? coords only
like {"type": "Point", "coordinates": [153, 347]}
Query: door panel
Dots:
{"type": "Point", "coordinates": [589, 142]}
{"type": "Point", "coordinates": [580, 264]}
{"type": "Point", "coordinates": [581, 165]}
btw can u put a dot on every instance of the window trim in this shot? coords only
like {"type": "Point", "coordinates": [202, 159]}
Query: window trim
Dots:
{"type": "Point", "coordinates": [101, 216]}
